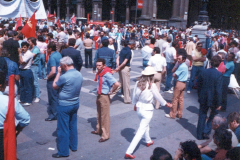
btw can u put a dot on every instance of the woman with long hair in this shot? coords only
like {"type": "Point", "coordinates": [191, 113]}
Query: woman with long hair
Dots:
{"type": "Point", "coordinates": [143, 96]}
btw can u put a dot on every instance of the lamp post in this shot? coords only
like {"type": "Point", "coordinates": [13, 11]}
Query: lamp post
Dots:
{"type": "Point", "coordinates": [203, 14]}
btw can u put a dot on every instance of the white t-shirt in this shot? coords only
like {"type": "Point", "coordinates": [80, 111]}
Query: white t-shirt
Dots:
{"type": "Point", "coordinates": [169, 53]}
{"type": "Point", "coordinates": [157, 62]}
{"type": "Point", "coordinates": [111, 47]}
{"type": "Point", "coordinates": [237, 57]}
{"type": "Point", "coordinates": [91, 32]}
{"type": "Point", "coordinates": [165, 45]}
{"type": "Point", "coordinates": [27, 58]}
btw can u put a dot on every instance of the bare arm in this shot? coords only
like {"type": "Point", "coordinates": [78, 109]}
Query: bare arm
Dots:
{"type": "Point", "coordinates": [114, 87]}
{"type": "Point", "coordinates": [122, 65]}
{"type": "Point", "coordinates": [17, 77]}
{"type": "Point", "coordinates": [57, 78]}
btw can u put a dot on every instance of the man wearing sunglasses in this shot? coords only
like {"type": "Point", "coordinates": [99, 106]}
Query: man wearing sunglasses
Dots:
{"type": "Point", "coordinates": [197, 65]}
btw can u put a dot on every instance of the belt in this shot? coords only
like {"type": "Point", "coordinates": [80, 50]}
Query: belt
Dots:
{"type": "Point", "coordinates": [159, 71]}
{"type": "Point", "coordinates": [23, 69]}
{"type": "Point", "coordinates": [34, 64]}
{"type": "Point", "coordinates": [181, 81]}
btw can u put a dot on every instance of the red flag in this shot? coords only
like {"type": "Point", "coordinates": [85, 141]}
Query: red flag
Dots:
{"type": "Point", "coordinates": [58, 23]}
{"type": "Point", "coordinates": [9, 131]}
{"type": "Point", "coordinates": [73, 19]}
{"type": "Point", "coordinates": [19, 23]}
{"type": "Point", "coordinates": [29, 30]}
{"type": "Point", "coordinates": [155, 33]}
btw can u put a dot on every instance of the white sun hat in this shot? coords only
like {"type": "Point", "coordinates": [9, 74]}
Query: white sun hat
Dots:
{"type": "Point", "coordinates": [148, 71]}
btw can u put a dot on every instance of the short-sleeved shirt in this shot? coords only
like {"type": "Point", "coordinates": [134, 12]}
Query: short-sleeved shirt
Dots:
{"type": "Point", "coordinates": [12, 67]}
{"type": "Point", "coordinates": [54, 61]}
{"type": "Point", "coordinates": [230, 68]}
{"type": "Point", "coordinates": [237, 57]}
{"type": "Point", "coordinates": [27, 58]}
{"type": "Point", "coordinates": [182, 72]}
{"type": "Point", "coordinates": [79, 43]}
{"type": "Point", "coordinates": [108, 81]}
{"type": "Point", "coordinates": [35, 50]}
{"type": "Point", "coordinates": [157, 62]}
{"type": "Point", "coordinates": [70, 84]}
{"type": "Point", "coordinates": [125, 54]}
{"type": "Point", "coordinates": [170, 53]}
{"type": "Point", "coordinates": [237, 133]}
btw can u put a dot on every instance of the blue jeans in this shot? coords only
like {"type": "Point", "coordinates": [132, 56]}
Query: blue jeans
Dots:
{"type": "Point", "coordinates": [67, 129]}
{"type": "Point", "coordinates": [226, 81]}
{"type": "Point", "coordinates": [52, 99]}
{"type": "Point", "coordinates": [42, 69]}
{"type": "Point", "coordinates": [26, 86]}
{"type": "Point", "coordinates": [196, 70]}
{"type": "Point", "coordinates": [205, 157]}
{"type": "Point", "coordinates": [145, 64]}
{"type": "Point", "coordinates": [203, 127]}
{"type": "Point", "coordinates": [36, 84]}
{"type": "Point", "coordinates": [169, 76]}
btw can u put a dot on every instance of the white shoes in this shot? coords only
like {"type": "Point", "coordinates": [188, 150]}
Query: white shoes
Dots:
{"type": "Point", "coordinates": [26, 104]}
{"type": "Point", "coordinates": [169, 91]}
{"type": "Point", "coordinates": [188, 92]}
{"type": "Point", "coordinates": [122, 96]}
{"type": "Point", "coordinates": [36, 100]}
{"type": "Point", "coordinates": [19, 101]}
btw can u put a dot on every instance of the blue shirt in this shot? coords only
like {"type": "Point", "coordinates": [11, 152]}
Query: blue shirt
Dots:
{"type": "Point", "coordinates": [12, 67]}
{"type": "Point", "coordinates": [107, 54]}
{"type": "Point", "coordinates": [230, 68]}
{"type": "Point", "coordinates": [70, 84]}
{"type": "Point", "coordinates": [21, 115]}
{"type": "Point", "coordinates": [237, 133]}
{"type": "Point", "coordinates": [54, 61]}
{"type": "Point", "coordinates": [182, 72]}
{"type": "Point", "coordinates": [108, 81]}
{"type": "Point", "coordinates": [36, 51]}
{"type": "Point", "coordinates": [125, 54]}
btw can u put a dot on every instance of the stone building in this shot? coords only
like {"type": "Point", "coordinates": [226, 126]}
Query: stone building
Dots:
{"type": "Point", "coordinates": [167, 12]}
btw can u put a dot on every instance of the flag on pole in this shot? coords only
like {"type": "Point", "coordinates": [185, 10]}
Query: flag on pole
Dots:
{"type": "Point", "coordinates": [58, 23]}
{"type": "Point", "coordinates": [19, 23]}
{"type": "Point", "coordinates": [140, 4]}
{"type": "Point", "coordinates": [9, 131]}
{"type": "Point", "coordinates": [73, 19]}
{"type": "Point", "coordinates": [29, 30]}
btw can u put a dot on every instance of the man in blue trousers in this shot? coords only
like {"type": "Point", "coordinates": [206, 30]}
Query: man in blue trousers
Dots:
{"type": "Point", "coordinates": [209, 96]}
{"type": "Point", "coordinates": [69, 83]}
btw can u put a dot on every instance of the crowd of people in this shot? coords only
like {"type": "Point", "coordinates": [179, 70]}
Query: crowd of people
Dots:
{"type": "Point", "coordinates": [169, 55]}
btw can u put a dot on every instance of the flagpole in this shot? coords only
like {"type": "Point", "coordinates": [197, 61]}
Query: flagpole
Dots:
{"type": "Point", "coordinates": [136, 12]}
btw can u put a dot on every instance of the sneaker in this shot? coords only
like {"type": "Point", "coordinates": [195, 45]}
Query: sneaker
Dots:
{"type": "Point", "coordinates": [188, 92]}
{"type": "Point", "coordinates": [36, 100]}
{"type": "Point", "coordinates": [169, 91]}
{"type": "Point", "coordinates": [122, 96]}
{"type": "Point", "coordinates": [26, 104]}
{"type": "Point", "coordinates": [168, 116]}
{"type": "Point", "coordinates": [19, 101]}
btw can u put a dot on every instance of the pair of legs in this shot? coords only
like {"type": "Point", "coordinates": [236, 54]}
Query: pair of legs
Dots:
{"type": "Point", "coordinates": [103, 116]}
{"type": "Point", "coordinates": [26, 85]}
{"type": "Point", "coordinates": [52, 100]}
{"type": "Point", "coordinates": [88, 58]}
{"type": "Point", "coordinates": [157, 80]}
{"type": "Point", "coordinates": [41, 67]}
{"type": "Point", "coordinates": [124, 79]}
{"type": "Point", "coordinates": [203, 127]}
{"type": "Point", "coordinates": [145, 64]}
{"type": "Point", "coordinates": [177, 102]}
{"type": "Point", "coordinates": [226, 81]}
{"type": "Point", "coordinates": [35, 71]}
{"type": "Point", "coordinates": [67, 129]}
{"type": "Point", "coordinates": [169, 76]}
{"type": "Point", "coordinates": [196, 70]}
{"type": "Point", "coordinates": [145, 117]}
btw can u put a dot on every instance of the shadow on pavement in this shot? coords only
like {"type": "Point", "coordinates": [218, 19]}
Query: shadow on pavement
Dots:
{"type": "Point", "coordinates": [188, 126]}
{"type": "Point", "coordinates": [193, 109]}
{"type": "Point", "coordinates": [93, 122]}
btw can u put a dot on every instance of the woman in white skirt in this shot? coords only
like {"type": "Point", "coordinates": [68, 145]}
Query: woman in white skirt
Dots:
{"type": "Point", "coordinates": [143, 97]}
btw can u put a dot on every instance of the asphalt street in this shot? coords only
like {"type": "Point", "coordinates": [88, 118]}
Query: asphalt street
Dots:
{"type": "Point", "coordinates": [38, 141]}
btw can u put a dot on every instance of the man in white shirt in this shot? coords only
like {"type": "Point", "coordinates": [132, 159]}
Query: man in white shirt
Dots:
{"type": "Point", "coordinates": [159, 43]}
{"type": "Point", "coordinates": [159, 64]}
{"type": "Point", "coordinates": [61, 39]}
{"type": "Point", "coordinates": [79, 43]}
{"type": "Point", "coordinates": [26, 75]}
{"type": "Point", "coordinates": [171, 55]}
{"type": "Point", "coordinates": [91, 32]}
